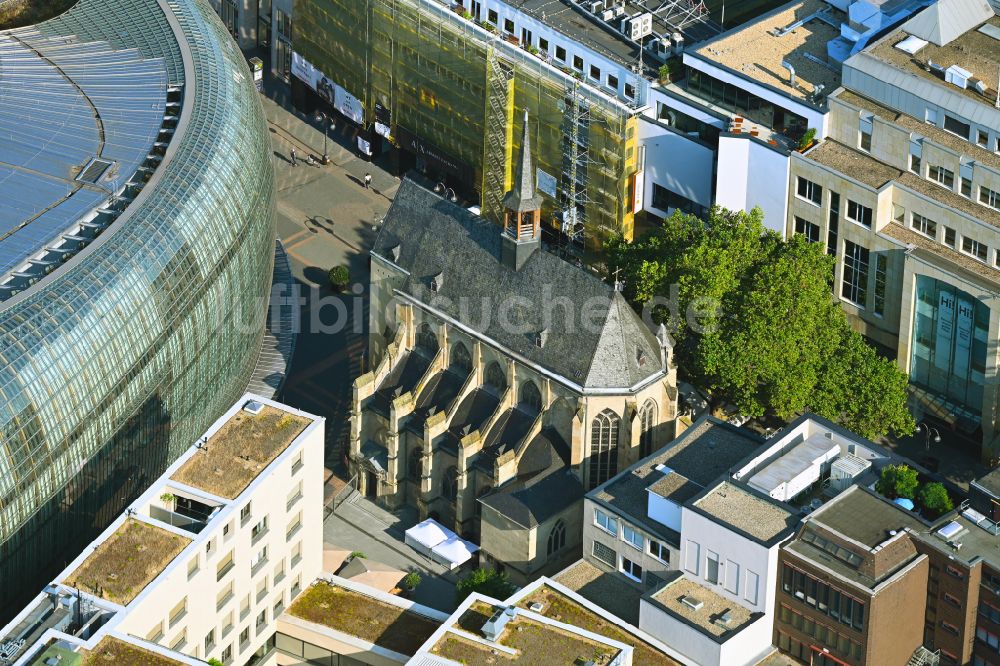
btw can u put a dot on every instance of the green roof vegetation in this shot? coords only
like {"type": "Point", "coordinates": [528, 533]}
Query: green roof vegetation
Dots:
{"type": "Point", "coordinates": [561, 608]}
{"type": "Point", "coordinates": [364, 617]}
{"type": "Point", "coordinates": [114, 651]}
{"type": "Point", "coordinates": [127, 561]}
{"type": "Point", "coordinates": [240, 450]}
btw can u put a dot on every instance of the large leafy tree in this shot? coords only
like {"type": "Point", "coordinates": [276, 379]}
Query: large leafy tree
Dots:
{"type": "Point", "coordinates": [770, 336]}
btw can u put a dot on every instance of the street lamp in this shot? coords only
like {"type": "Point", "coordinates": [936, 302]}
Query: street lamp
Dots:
{"type": "Point", "coordinates": [928, 432]}
{"type": "Point", "coordinates": [324, 118]}
{"type": "Point", "coordinates": [446, 192]}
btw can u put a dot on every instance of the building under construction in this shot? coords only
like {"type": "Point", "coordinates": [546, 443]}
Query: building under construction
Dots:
{"type": "Point", "coordinates": [448, 85]}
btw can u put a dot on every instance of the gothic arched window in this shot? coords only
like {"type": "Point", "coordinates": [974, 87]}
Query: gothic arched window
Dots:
{"type": "Point", "coordinates": [647, 419]}
{"type": "Point", "coordinates": [531, 397]}
{"type": "Point", "coordinates": [557, 538]}
{"type": "Point", "coordinates": [495, 377]}
{"type": "Point", "coordinates": [450, 483]}
{"type": "Point", "coordinates": [426, 339]}
{"type": "Point", "coordinates": [416, 463]}
{"type": "Point", "coordinates": [603, 447]}
{"type": "Point", "coordinates": [461, 361]}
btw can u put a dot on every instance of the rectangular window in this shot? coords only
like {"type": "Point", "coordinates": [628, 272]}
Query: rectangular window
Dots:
{"type": "Point", "coordinates": [245, 514]}
{"type": "Point", "coordinates": [949, 237]}
{"type": "Point", "coordinates": [956, 126]}
{"type": "Point", "coordinates": [989, 197]}
{"type": "Point", "coordinates": [831, 234]}
{"type": "Point", "coordinates": [595, 72]}
{"type": "Point", "coordinates": [860, 214]}
{"type": "Point", "coordinates": [508, 26]}
{"type": "Point", "coordinates": [560, 53]}
{"type": "Point", "coordinates": [606, 522]}
{"type": "Point", "coordinates": [732, 576]}
{"type": "Point", "coordinates": [752, 583]}
{"type": "Point", "coordinates": [632, 537]}
{"type": "Point", "coordinates": [941, 175]}
{"type": "Point", "coordinates": [923, 225]}
{"type": "Point", "coordinates": [543, 45]}
{"type": "Point", "coordinates": [983, 138]}
{"type": "Point", "coordinates": [967, 187]}
{"type": "Point", "coordinates": [604, 553]}
{"type": "Point", "coordinates": [878, 302]}
{"type": "Point", "coordinates": [855, 280]}
{"type": "Point", "coordinates": [631, 569]}
{"type": "Point", "coordinates": [974, 249]}
{"type": "Point", "coordinates": [915, 163]}
{"type": "Point", "coordinates": [612, 81]}
{"type": "Point", "coordinates": [866, 134]}
{"type": "Point", "coordinates": [659, 551]}
{"type": "Point", "coordinates": [578, 63]}
{"type": "Point", "coordinates": [712, 567]}
{"type": "Point", "coordinates": [809, 191]}
{"type": "Point", "coordinates": [492, 17]}
{"type": "Point", "coordinates": [630, 91]}
{"type": "Point", "coordinates": [692, 560]}
{"type": "Point", "coordinates": [807, 229]}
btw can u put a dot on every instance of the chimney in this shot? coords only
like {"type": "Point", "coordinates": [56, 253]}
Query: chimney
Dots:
{"type": "Point", "coordinates": [521, 234]}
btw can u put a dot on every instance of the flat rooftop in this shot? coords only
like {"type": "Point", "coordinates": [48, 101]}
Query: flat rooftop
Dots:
{"type": "Point", "coordinates": [974, 51]}
{"type": "Point", "coordinates": [703, 453]}
{"type": "Point", "coordinates": [757, 48]}
{"type": "Point", "coordinates": [364, 617]}
{"type": "Point", "coordinates": [534, 643]}
{"type": "Point", "coordinates": [977, 539]}
{"type": "Point", "coordinates": [707, 618]}
{"type": "Point", "coordinates": [113, 650]}
{"type": "Point", "coordinates": [861, 516]}
{"type": "Point", "coordinates": [558, 606]}
{"type": "Point", "coordinates": [240, 450]}
{"type": "Point", "coordinates": [932, 132]}
{"type": "Point", "coordinates": [853, 163]}
{"type": "Point", "coordinates": [127, 561]}
{"type": "Point", "coordinates": [731, 505]}
{"type": "Point", "coordinates": [572, 20]}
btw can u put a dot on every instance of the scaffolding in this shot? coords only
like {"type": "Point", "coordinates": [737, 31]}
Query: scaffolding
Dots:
{"type": "Point", "coordinates": [459, 88]}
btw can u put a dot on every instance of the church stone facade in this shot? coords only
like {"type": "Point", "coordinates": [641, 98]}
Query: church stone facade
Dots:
{"type": "Point", "coordinates": [505, 381]}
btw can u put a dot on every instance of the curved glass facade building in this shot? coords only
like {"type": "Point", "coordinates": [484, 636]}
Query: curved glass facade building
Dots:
{"type": "Point", "coordinates": [136, 251]}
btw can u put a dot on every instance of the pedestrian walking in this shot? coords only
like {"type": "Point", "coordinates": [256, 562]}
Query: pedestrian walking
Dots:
{"type": "Point", "coordinates": [295, 160]}
{"type": "Point", "coordinates": [368, 181]}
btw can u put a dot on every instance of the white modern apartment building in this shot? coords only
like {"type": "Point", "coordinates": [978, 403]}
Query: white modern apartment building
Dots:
{"type": "Point", "coordinates": [202, 563]}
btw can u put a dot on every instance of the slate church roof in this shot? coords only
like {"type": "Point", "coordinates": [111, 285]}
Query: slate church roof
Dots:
{"type": "Point", "coordinates": [452, 258]}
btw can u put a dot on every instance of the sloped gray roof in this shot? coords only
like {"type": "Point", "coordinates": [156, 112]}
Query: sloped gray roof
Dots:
{"type": "Point", "coordinates": [594, 338]}
{"type": "Point", "coordinates": [946, 20]}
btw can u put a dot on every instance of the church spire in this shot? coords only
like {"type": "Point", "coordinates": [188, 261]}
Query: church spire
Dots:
{"type": "Point", "coordinates": [521, 233]}
{"type": "Point", "coordinates": [523, 198]}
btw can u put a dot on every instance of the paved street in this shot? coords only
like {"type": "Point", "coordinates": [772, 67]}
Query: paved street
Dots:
{"type": "Point", "coordinates": [325, 218]}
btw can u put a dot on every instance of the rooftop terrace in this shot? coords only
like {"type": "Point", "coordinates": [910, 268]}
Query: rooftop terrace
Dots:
{"type": "Point", "coordinates": [533, 643]}
{"type": "Point", "coordinates": [240, 450]}
{"type": "Point", "coordinates": [364, 617]}
{"type": "Point", "coordinates": [757, 49]}
{"type": "Point", "coordinates": [731, 505]}
{"type": "Point", "coordinates": [973, 50]}
{"type": "Point", "coordinates": [128, 560]}
{"type": "Point", "coordinates": [708, 617]}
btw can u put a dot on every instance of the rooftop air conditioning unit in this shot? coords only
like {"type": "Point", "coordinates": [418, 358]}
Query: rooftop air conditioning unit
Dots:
{"type": "Point", "coordinates": [957, 76]}
{"type": "Point", "coordinates": [692, 603]}
{"type": "Point", "coordinates": [638, 26]}
{"type": "Point", "coordinates": [608, 15]}
{"type": "Point", "coordinates": [596, 6]}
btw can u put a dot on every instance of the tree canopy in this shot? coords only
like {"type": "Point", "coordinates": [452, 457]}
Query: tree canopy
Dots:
{"type": "Point", "coordinates": [897, 481]}
{"type": "Point", "coordinates": [756, 323]}
{"type": "Point", "coordinates": [486, 581]}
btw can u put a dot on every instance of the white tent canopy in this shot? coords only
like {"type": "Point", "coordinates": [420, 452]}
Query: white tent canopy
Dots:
{"type": "Point", "coordinates": [436, 541]}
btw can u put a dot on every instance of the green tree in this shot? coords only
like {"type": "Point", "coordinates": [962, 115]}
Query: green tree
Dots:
{"type": "Point", "coordinates": [490, 582]}
{"type": "Point", "coordinates": [897, 481]}
{"type": "Point", "coordinates": [340, 276]}
{"type": "Point", "coordinates": [771, 337]}
{"type": "Point", "coordinates": [215, 662]}
{"type": "Point", "coordinates": [935, 499]}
